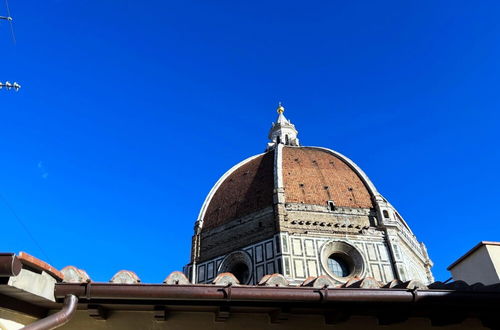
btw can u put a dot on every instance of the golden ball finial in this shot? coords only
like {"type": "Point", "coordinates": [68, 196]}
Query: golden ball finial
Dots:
{"type": "Point", "coordinates": [281, 108]}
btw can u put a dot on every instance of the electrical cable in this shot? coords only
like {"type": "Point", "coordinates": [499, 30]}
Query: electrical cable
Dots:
{"type": "Point", "coordinates": [11, 209]}
{"type": "Point", "coordinates": [10, 21]}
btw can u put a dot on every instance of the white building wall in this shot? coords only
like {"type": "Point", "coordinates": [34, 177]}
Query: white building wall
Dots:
{"type": "Point", "coordinates": [479, 266]}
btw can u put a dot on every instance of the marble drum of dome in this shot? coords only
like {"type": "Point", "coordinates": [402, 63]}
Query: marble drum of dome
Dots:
{"type": "Point", "coordinates": [302, 211]}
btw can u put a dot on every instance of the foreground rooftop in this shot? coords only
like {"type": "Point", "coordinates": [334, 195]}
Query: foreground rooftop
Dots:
{"type": "Point", "coordinates": [32, 289]}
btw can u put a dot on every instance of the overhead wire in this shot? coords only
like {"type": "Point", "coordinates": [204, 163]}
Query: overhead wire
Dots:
{"type": "Point", "coordinates": [10, 21]}
{"type": "Point", "coordinates": [26, 229]}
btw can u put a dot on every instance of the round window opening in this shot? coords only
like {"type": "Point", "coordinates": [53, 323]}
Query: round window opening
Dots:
{"type": "Point", "coordinates": [239, 264]}
{"type": "Point", "coordinates": [338, 265]}
{"type": "Point", "coordinates": [341, 260]}
{"type": "Point", "coordinates": [240, 271]}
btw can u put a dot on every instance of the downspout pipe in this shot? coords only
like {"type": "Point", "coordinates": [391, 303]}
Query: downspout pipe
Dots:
{"type": "Point", "coordinates": [58, 319]}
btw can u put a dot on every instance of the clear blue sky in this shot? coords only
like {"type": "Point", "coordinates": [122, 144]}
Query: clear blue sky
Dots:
{"type": "Point", "coordinates": [131, 110]}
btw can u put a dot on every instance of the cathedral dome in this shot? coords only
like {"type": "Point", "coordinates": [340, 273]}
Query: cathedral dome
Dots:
{"type": "Point", "coordinates": [302, 212]}
{"type": "Point", "coordinates": [308, 175]}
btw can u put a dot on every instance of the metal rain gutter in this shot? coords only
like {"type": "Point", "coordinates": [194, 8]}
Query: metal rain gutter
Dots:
{"type": "Point", "coordinates": [10, 265]}
{"type": "Point", "coordinates": [159, 292]}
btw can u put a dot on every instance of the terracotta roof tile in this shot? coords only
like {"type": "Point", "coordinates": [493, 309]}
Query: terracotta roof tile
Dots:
{"type": "Point", "coordinates": [75, 275]}
{"type": "Point", "coordinates": [176, 278]}
{"type": "Point", "coordinates": [125, 277]}
{"type": "Point", "coordinates": [37, 264]}
{"type": "Point", "coordinates": [323, 281]}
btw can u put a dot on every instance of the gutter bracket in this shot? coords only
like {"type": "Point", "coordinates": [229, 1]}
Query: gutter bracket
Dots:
{"type": "Point", "coordinates": [414, 294]}
{"type": "Point", "coordinates": [323, 294]}
{"type": "Point", "coordinates": [227, 292]}
{"type": "Point", "coordinates": [87, 290]}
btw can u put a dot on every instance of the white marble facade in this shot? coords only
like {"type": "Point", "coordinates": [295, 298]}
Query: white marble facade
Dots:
{"type": "Point", "coordinates": [299, 256]}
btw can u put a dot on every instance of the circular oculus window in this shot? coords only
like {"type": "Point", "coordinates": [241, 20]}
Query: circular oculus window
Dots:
{"type": "Point", "coordinates": [339, 265]}
{"type": "Point", "coordinates": [239, 264]}
{"type": "Point", "coordinates": [341, 260]}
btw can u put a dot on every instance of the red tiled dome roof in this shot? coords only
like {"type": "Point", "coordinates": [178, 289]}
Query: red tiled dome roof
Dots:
{"type": "Point", "coordinates": [316, 176]}
{"type": "Point", "coordinates": [247, 189]}
{"type": "Point", "coordinates": [310, 176]}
